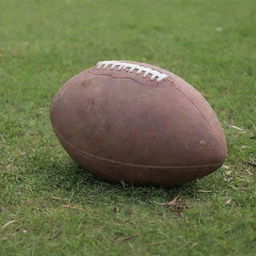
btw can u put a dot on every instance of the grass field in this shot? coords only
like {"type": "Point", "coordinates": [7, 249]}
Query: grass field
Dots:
{"type": "Point", "coordinates": [48, 205]}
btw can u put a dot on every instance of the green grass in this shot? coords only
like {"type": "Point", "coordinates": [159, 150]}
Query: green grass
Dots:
{"type": "Point", "coordinates": [43, 43]}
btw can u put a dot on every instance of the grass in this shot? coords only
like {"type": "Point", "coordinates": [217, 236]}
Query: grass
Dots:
{"type": "Point", "coordinates": [48, 205]}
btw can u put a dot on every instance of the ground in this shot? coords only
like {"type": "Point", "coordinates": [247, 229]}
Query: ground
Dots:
{"type": "Point", "coordinates": [48, 205]}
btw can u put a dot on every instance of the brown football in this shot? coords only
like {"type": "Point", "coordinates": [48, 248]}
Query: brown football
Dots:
{"type": "Point", "coordinates": [136, 123]}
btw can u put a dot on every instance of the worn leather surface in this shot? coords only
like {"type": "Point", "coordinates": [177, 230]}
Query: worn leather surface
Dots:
{"type": "Point", "coordinates": [124, 127]}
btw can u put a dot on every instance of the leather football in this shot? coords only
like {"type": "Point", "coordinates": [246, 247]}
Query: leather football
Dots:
{"type": "Point", "coordinates": [137, 123]}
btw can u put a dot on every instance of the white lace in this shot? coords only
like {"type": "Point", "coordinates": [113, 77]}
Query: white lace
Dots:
{"type": "Point", "coordinates": [123, 65]}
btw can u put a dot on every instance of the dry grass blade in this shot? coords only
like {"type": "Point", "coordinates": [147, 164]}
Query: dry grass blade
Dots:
{"type": "Point", "coordinates": [207, 96]}
{"type": "Point", "coordinates": [204, 191]}
{"type": "Point", "coordinates": [176, 206]}
{"type": "Point", "coordinates": [71, 207]}
{"type": "Point", "coordinates": [229, 202]}
{"type": "Point", "coordinates": [58, 198]}
{"type": "Point", "coordinates": [123, 239]}
{"type": "Point", "coordinates": [8, 223]}
{"type": "Point", "coordinates": [193, 245]}
{"type": "Point", "coordinates": [172, 202]}
{"type": "Point", "coordinates": [237, 128]}
{"type": "Point", "coordinates": [249, 172]}
{"type": "Point", "coordinates": [158, 203]}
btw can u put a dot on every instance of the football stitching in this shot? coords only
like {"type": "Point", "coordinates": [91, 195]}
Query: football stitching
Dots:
{"type": "Point", "coordinates": [132, 67]}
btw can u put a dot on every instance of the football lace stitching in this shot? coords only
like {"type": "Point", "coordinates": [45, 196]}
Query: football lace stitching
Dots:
{"type": "Point", "coordinates": [132, 67]}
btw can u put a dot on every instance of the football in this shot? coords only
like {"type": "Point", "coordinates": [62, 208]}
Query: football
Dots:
{"type": "Point", "coordinates": [136, 123]}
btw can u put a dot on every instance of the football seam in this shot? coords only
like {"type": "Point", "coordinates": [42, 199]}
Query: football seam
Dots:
{"type": "Point", "coordinates": [134, 165]}
{"type": "Point", "coordinates": [198, 109]}
{"type": "Point", "coordinates": [126, 77]}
